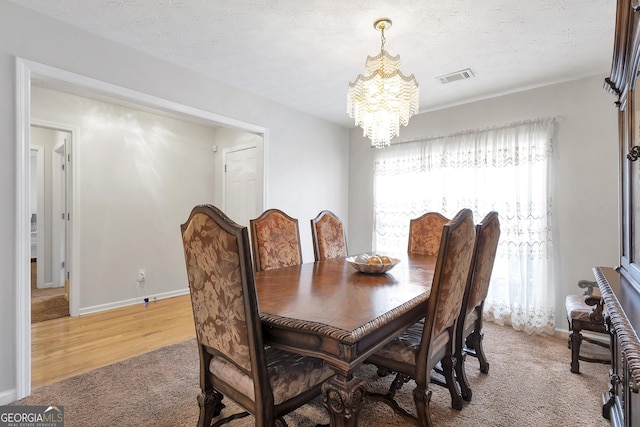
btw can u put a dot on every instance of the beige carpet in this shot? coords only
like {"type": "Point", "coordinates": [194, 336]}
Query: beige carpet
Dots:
{"type": "Point", "coordinates": [529, 384]}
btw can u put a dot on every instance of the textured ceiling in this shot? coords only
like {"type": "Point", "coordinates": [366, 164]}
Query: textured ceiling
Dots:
{"type": "Point", "coordinates": [303, 53]}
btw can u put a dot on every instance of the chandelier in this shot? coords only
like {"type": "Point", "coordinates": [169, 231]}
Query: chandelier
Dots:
{"type": "Point", "coordinates": [383, 98]}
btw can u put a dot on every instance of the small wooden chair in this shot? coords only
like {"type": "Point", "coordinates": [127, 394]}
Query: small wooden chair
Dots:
{"type": "Point", "coordinates": [275, 239]}
{"type": "Point", "coordinates": [328, 236]}
{"type": "Point", "coordinates": [584, 313]}
{"type": "Point", "coordinates": [425, 232]}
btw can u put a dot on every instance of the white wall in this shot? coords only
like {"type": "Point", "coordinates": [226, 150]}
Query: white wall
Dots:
{"type": "Point", "coordinates": [585, 204]}
{"type": "Point", "coordinates": [311, 150]}
{"type": "Point", "coordinates": [138, 176]}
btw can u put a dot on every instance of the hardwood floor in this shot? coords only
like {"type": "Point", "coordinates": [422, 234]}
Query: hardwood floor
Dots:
{"type": "Point", "coordinates": [61, 348]}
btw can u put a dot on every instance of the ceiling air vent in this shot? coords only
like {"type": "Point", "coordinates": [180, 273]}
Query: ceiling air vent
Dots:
{"type": "Point", "coordinates": [458, 75]}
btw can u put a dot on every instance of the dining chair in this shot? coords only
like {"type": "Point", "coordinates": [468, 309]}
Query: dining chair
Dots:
{"type": "Point", "coordinates": [469, 334]}
{"type": "Point", "coordinates": [415, 353]}
{"type": "Point", "coordinates": [234, 362]}
{"type": "Point", "coordinates": [329, 240]}
{"type": "Point", "coordinates": [425, 233]}
{"type": "Point", "coordinates": [275, 238]}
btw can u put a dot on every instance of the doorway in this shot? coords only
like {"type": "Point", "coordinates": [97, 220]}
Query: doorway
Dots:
{"type": "Point", "coordinates": [28, 73]}
{"type": "Point", "coordinates": [50, 150]}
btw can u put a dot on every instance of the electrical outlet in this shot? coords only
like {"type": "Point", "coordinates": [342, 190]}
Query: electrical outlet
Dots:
{"type": "Point", "coordinates": [140, 281]}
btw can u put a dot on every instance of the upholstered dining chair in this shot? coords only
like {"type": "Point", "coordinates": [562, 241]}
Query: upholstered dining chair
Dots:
{"type": "Point", "coordinates": [234, 362]}
{"type": "Point", "coordinates": [420, 348]}
{"type": "Point", "coordinates": [275, 238]}
{"type": "Point", "coordinates": [469, 332]}
{"type": "Point", "coordinates": [425, 233]}
{"type": "Point", "coordinates": [328, 236]}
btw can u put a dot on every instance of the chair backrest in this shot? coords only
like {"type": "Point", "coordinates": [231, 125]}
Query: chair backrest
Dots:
{"type": "Point", "coordinates": [328, 236]}
{"type": "Point", "coordinates": [487, 237]}
{"type": "Point", "coordinates": [275, 239]}
{"type": "Point", "coordinates": [223, 296]}
{"type": "Point", "coordinates": [425, 233]}
{"type": "Point", "coordinates": [449, 280]}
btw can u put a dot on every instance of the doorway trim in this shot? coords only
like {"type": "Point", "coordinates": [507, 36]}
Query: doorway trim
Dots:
{"type": "Point", "coordinates": [61, 214]}
{"type": "Point", "coordinates": [39, 189]}
{"type": "Point", "coordinates": [26, 70]}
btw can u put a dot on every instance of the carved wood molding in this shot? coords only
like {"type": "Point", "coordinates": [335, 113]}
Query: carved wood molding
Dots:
{"type": "Point", "coordinates": [626, 52]}
{"type": "Point", "coordinates": [346, 337]}
{"type": "Point", "coordinates": [634, 153]}
{"type": "Point", "coordinates": [627, 338]}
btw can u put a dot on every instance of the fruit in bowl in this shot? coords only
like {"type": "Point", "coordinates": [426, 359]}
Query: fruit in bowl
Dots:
{"type": "Point", "coordinates": [372, 263]}
{"type": "Point", "coordinates": [362, 259]}
{"type": "Point", "coordinates": [374, 260]}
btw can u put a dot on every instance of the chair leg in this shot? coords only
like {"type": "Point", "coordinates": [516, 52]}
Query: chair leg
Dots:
{"type": "Point", "coordinates": [422, 397]}
{"type": "Point", "coordinates": [474, 342]}
{"type": "Point", "coordinates": [210, 403]}
{"type": "Point", "coordinates": [447, 370]}
{"type": "Point", "coordinates": [461, 376]}
{"type": "Point", "coordinates": [484, 365]}
{"type": "Point", "coordinates": [575, 337]}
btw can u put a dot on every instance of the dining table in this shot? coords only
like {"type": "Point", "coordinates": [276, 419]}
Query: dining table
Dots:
{"type": "Point", "coordinates": [329, 310]}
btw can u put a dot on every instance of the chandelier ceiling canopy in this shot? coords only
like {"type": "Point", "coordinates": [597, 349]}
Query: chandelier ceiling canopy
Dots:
{"type": "Point", "coordinates": [383, 98]}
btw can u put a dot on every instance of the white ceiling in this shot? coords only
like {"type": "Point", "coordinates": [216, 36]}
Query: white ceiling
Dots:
{"type": "Point", "coordinates": [303, 53]}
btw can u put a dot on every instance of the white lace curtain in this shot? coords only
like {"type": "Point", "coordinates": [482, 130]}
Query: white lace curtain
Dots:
{"type": "Point", "coordinates": [506, 169]}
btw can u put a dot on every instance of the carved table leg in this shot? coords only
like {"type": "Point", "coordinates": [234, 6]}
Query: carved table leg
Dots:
{"type": "Point", "coordinates": [344, 398]}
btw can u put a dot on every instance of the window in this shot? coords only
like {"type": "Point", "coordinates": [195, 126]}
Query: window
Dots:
{"type": "Point", "coordinates": [506, 169]}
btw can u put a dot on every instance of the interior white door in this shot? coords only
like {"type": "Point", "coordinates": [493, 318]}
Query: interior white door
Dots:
{"type": "Point", "coordinates": [59, 213]}
{"type": "Point", "coordinates": [240, 196]}
{"type": "Point", "coordinates": [37, 211]}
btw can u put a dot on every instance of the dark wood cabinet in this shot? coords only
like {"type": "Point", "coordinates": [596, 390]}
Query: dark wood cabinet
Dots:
{"type": "Point", "coordinates": [620, 287]}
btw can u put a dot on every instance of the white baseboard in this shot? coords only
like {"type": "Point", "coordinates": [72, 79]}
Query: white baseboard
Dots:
{"type": "Point", "coordinates": [48, 285]}
{"type": "Point", "coordinates": [132, 301]}
{"type": "Point", "coordinates": [7, 396]}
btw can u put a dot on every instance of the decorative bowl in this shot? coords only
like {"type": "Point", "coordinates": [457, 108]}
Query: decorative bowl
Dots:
{"type": "Point", "coordinates": [359, 263]}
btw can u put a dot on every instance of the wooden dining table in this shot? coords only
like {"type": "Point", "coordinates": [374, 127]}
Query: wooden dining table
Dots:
{"type": "Point", "coordinates": [329, 310]}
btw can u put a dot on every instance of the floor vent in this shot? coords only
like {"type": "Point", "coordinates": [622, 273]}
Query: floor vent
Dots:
{"type": "Point", "coordinates": [458, 75]}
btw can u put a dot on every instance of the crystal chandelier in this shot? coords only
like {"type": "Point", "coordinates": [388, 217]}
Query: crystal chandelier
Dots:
{"type": "Point", "coordinates": [383, 98]}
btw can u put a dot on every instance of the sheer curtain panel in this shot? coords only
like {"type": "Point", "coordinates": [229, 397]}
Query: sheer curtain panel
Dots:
{"type": "Point", "coordinates": [506, 169]}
